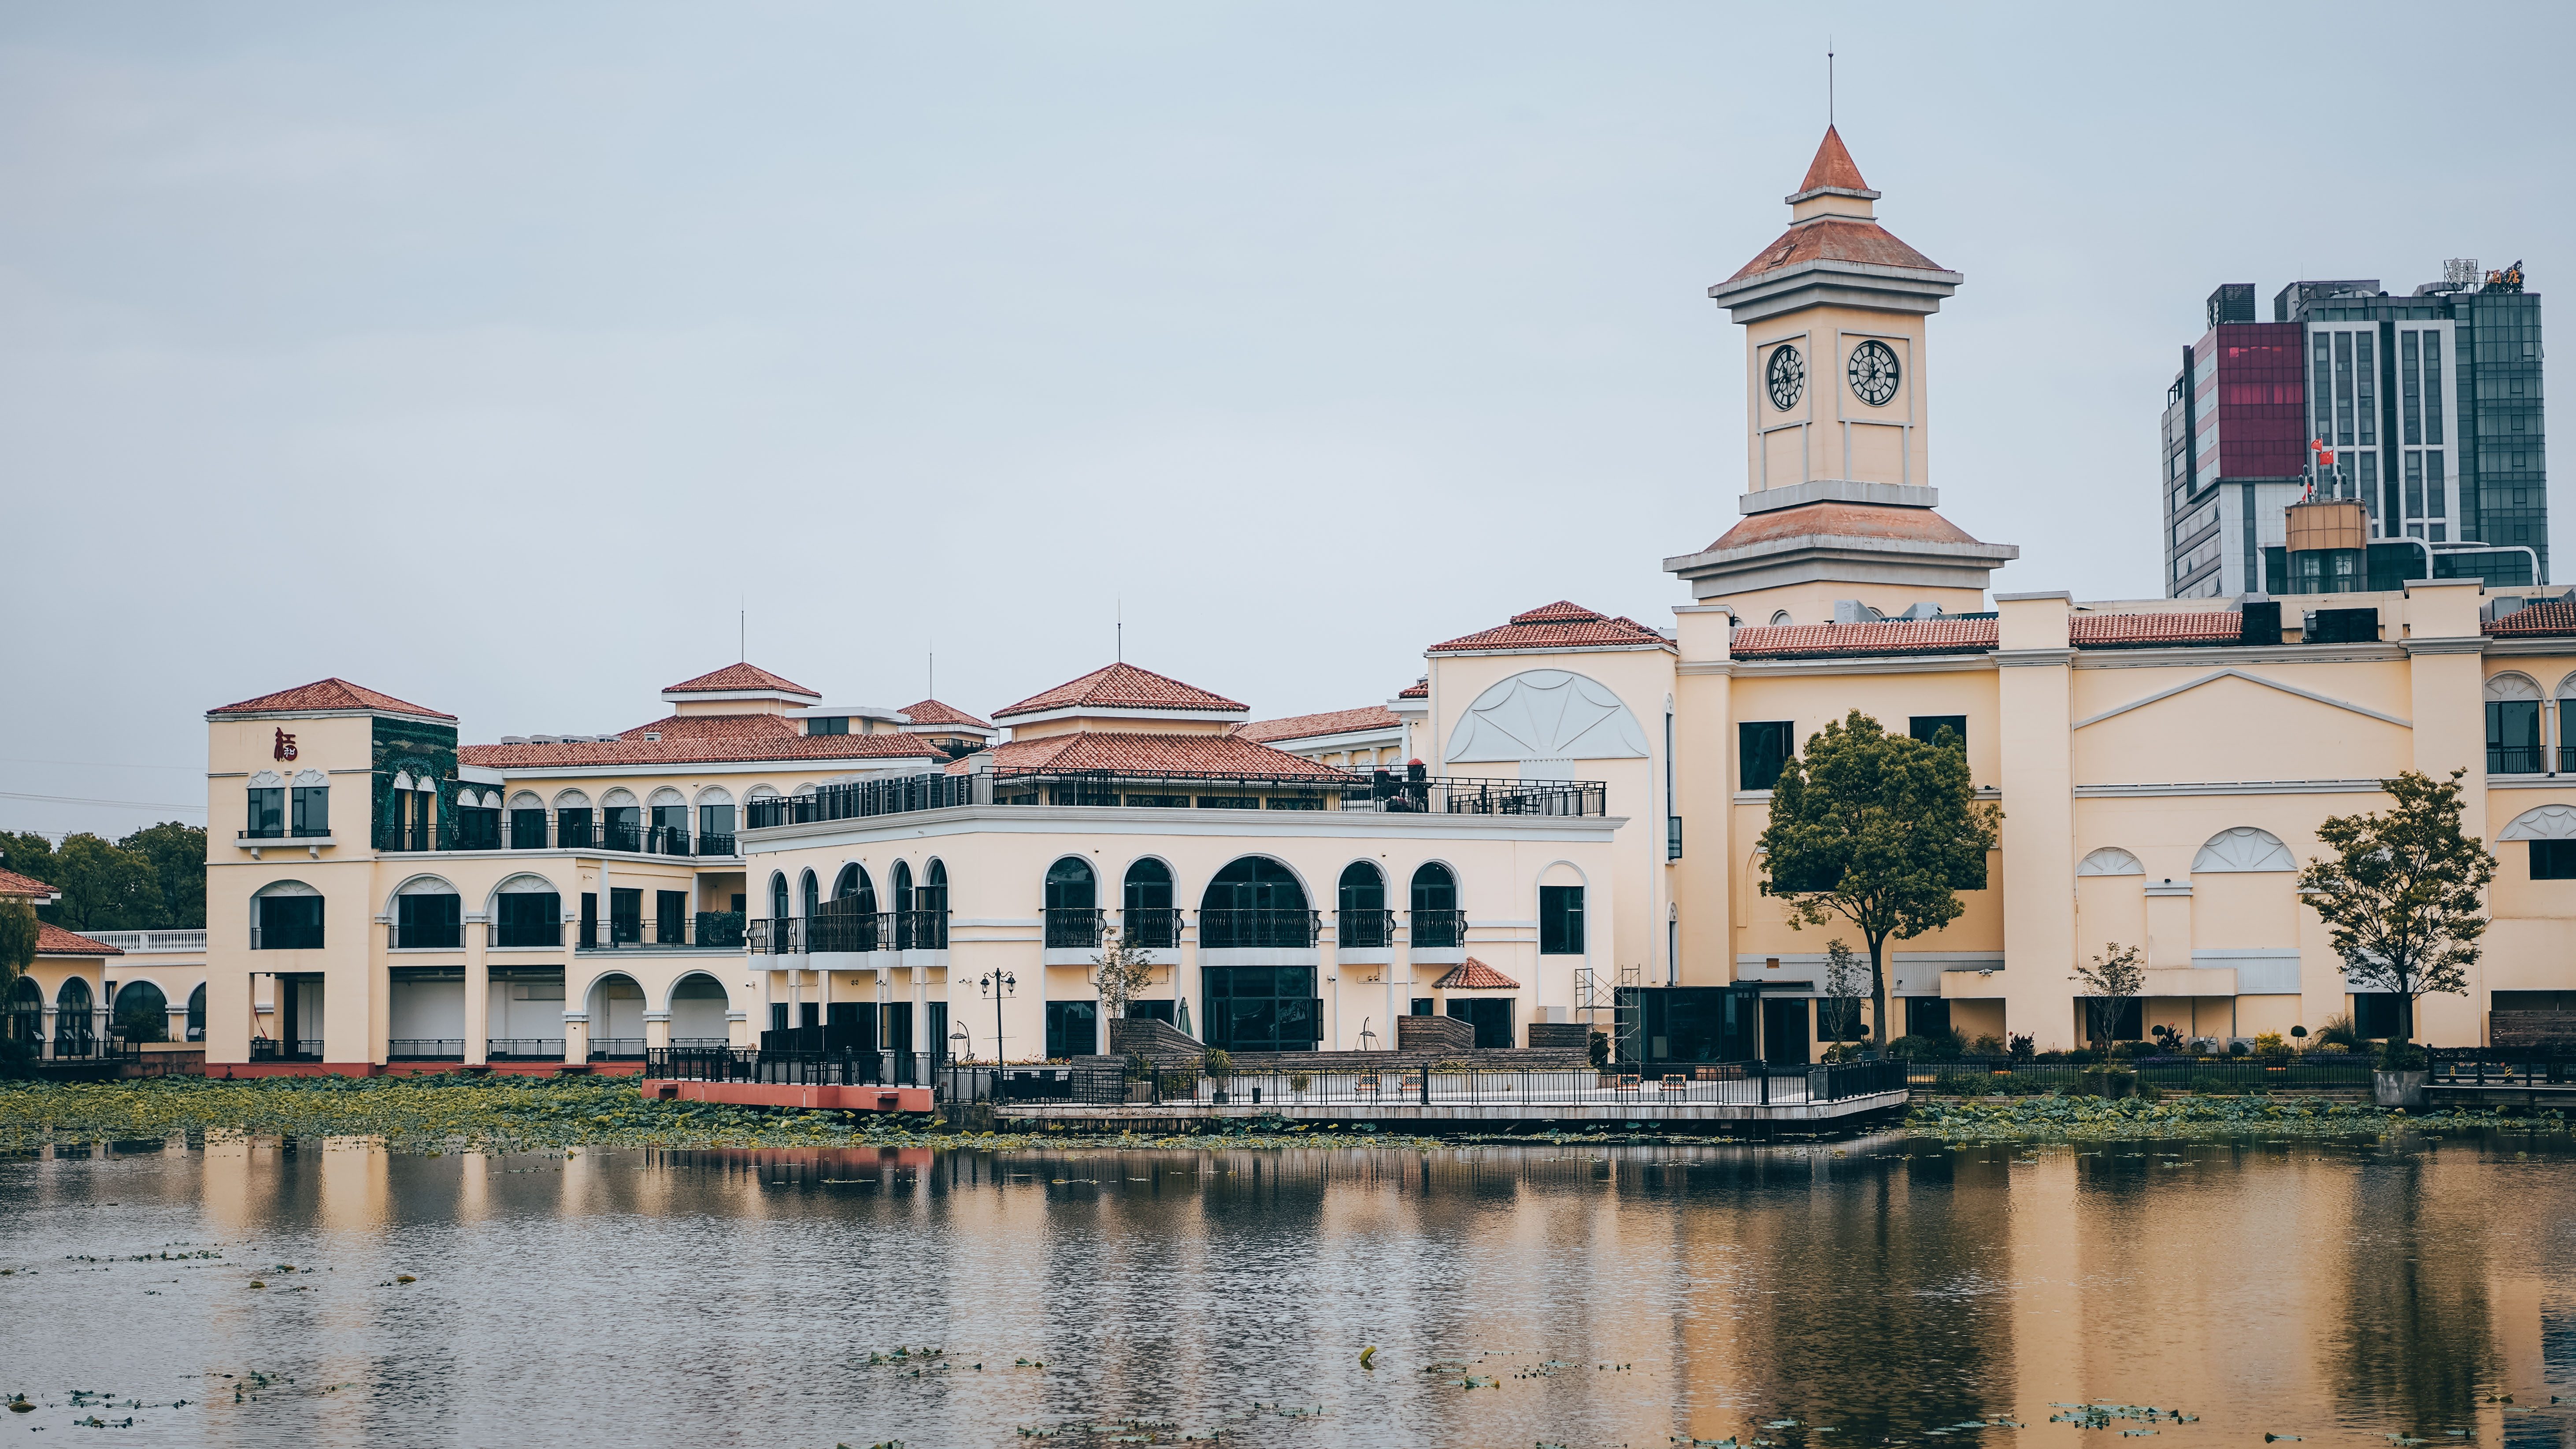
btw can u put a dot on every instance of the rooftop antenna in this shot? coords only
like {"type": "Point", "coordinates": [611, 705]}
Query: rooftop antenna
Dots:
{"type": "Point", "coordinates": [1829, 82]}
{"type": "Point", "coordinates": [931, 675]}
{"type": "Point", "coordinates": [1121, 608]}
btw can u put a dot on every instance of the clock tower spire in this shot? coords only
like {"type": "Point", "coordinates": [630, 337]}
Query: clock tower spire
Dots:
{"type": "Point", "coordinates": [1838, 486]}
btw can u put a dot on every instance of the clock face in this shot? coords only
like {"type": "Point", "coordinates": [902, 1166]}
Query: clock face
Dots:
{"type": "Point", "coordinates": [1788, 378]}
{"type": "Point", "coordinates": [1873, 373]}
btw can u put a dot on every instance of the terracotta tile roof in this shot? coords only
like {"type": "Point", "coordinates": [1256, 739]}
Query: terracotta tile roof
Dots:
{"type": "Point", "coordinates": [14, 884]}
{"type": "Point", "coordinates": [2558, 616]}
{"type": "Point", "coordinates": [2171, 626]}
{"type": "Point", "coordinates": [1894, 636]}
{"type": "Point", "coordinates": [1557, 626]}
{"type": "Point", "coordinates": [53, 940]}
{"type": "Point", "coordinates": [1309, 726]}
{"type": "Point", "coordinates": [1833, 166]}
{"type": "Point", "coordinates": [324, 694]}
{"type": "Point", "coordinates": [932, 712]}
{"type": "Point", "coordinates": [1123, 686]}
{"type": "Point", "coordinates": [718, 727]}
{"type": "Point", "coordinates": [1419, 689]}
{"type": "Point", "coordinates": [1845, 520]}
{"type": "Point", "coordinates": [1836, 239]}
{"type": "Point", "coordinates": [1212, 756]}
{"type": "Point", "coordinates": [1474, 975]}
{"type": "Point", "coordinates": [701, 750]}
{"type": "Point", "coordinates": [735, 677]}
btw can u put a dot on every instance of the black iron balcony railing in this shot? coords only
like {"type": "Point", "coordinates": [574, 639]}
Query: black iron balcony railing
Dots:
{"type": "Point", "coordinates": [862, 798]}
{"type": "Point", "coordinates": [527, 933]}
{"type": "Point", "coordinates": [1150, 928]}
{"type": "Point", "coordinates": [425, 936]}
{"type": "Point", "coordinates": [830, 930]}
{"type": "Point", "coordinates": [1364, 929]}
{"type": "Point", "coordinates": [719, 930]}
{"type": "Point", "coordinates": [715, 843]}
{"type": "Point", "coordinates": [1381, 791]}
{"type": "Point", "coordinates": [524, 1048]}
{"type": "Point", "coordinates": [1438, 930]}
{"type": "Point", "coordinates": [530, 830]}
{"type": "Point", "coordinates": [617, 1049]}
{"type": "Point", "coordinates": [1231, 929]}
{"type": "Point", "coordinates": [1072, 928]}
{"type": "Point", "coordinates": [2515, 759]}
{"type": "Point", "coordinates": [424, 1049]}
{"type": "Point", "coordinates": [274, 1049]}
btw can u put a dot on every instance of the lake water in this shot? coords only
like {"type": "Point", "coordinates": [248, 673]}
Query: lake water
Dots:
{"type": "Point", "coordinates": [1880, 1292]}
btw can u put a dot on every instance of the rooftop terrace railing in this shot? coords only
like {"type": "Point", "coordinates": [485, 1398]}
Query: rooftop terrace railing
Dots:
{"type": "Point", "coordinates": [530, 830]}
{"type": "Point", "coordinates": [1384, 792]}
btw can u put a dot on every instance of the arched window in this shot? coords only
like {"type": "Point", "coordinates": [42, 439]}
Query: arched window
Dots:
{"type": "Point", "coordinates": [527, 821]}
{"type": "Point", "coordinates": [1363, 923]}
{"type": "Point", "coordinates": [934, 887]}
{"type": "Point", "coordinates": [698, 1006]}
{"type": "Point", "coordinates": [142, 1012]}
{"type": "Point", "coordinates": [286, 915]}
{"type": "Point", "coordinates": [777, 896]}
{"type": "Point", "coordinates": [26, 1014]}
{"type": "Point", "coordinates": [74, 1030]}
{"type": "Point", "coordinates": [197, 1013]}
{"type": "Point", "coordinates": [1255, 902]}
{"type": "Point", "coordinates": [1072, 905]}
{"type": "Point", "coordinates": [2513, 726]}
{"type": "Point", "coordinates": [574, 823]}
{"type": "Point", "coordinates": [428, 915]}
{"type": "Point", "coordinates": [1148, 919]}
{"type": "Point", "coordinates": [527, 910]}
{"type": "Point", "coordinates": [854, 884]}
{"type": "Point", "coordinates": [810, 890]}
{"type": "Point", "coordinates": [715, 821]}
{"type": "Point", "coordinates": [1780, 619]}
{"type": "Point", "coordinates": [924, 924]}
{"type": "Point", "coordinates": [1436, 920]}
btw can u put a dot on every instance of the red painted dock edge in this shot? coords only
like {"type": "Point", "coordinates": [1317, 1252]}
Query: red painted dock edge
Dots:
{"type": "Point", "coordinates": [821, 1099]}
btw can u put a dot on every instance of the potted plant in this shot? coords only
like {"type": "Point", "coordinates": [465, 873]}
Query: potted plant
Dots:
{"type": "Point", "coordinates": [1219, 1065]}
{"type": "Point", "coordinates": [1298, 1082]}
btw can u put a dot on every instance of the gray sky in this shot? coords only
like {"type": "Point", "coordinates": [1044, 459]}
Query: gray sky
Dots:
{"type": "Point", "coordinates": [488, 355]}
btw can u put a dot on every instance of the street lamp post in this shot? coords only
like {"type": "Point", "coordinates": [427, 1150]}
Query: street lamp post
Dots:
{"type": "Point", "coordinates": [997, 984]}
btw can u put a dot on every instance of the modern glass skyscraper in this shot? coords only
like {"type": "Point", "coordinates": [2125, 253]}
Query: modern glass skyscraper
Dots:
{"type": "Point", "coordinates": [2429, 404]}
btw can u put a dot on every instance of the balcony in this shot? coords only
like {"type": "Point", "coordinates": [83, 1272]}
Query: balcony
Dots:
{"type": "Point", "coordinates": [2517, 759]}
{"type": "Point", "coordinates": [694, 931]}
{"type": "Point", "coordinates": [272, 1049]}
{"type": "Point", "coordinates": [424, 1049]}
{"type": "Point", "coordinates": [1073, 928]}
{"type": "Point", "coordinates": [1384, 792]}
{"type": "Point", "coordinates": [1364, 930]}
{"type": "Point", "coordinates": [1259, 928]}
{"type": "Point", "coordinates": [1150, 928]}
{"type": "Point", "coordinates": [524, 1049]}
{"type": "Point", "coordinates": [852, 931]}
{"type": "Point", "coordinates": [532, 830]}
{"type": "Point", "coordinates": [1438, 930]}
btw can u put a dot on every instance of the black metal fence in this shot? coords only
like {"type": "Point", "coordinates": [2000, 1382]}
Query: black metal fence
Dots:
{"type": "Point", "coordinates": [1645, 1092]}
{"type": "Point", "coordinates": [831, 930]}
{"type": "Point", "coordinates": [2501, 1067]}
{"type": "Point", "coordinates": [1221, 930]}
{"type": "Point", "coordinates": [481, 829]}
{"type": "Point", "coordinates": [862, 798]}
{"type": "Point", "coordinates": [1380, 791]}
{"type": "Point", "coordinates": [1073, 928]}
{"type": "Point", "coordinates": [849, 1068]}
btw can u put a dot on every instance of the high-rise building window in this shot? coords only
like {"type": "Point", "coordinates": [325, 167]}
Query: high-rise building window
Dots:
{"type": "Point", "coordinates": [2380, 518]}
{"type": "Point", "coordinates": [2436, 496]}
{"type": "Point", "coordinates": [2343, 389]}
{"type": "Point", "coordinates": [2321, 386]}
{"type": "Point", "coordinates": [2414, 486]}
{"type": "Point", "coordinates": [2433, 388]}
{"type": "Point", "coordinates": [2410, 387]}
{"type": "Point", "coordinates": [2365, 370]}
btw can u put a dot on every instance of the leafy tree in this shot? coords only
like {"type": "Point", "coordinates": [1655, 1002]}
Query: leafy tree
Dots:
{"type": "Point", "coordinates": [28, 854]}
{"type": "Point", "coordinates": [1840, 1010]}
{"type": "Point", "coordinates": [178, 856]}
{"type": "Point", "coordinates": [2403, 895]}
{"type": "Point", "coordinates": [105, 888]}
{"type": "Point", "coordinates": [2111, 982]}
{"type": "Point", "coordinates": [19, 930]}
{"type": "Point", "coordinates": [1882, 830]}
{"type": "Point", "coordinates": [1120, 971]}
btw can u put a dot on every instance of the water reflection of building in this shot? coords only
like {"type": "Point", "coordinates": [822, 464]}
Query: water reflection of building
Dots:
{"type": "Point", "coordinates": [1584, 824]}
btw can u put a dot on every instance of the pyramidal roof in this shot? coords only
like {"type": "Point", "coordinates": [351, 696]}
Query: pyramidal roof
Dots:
{"type": "Point", "coordinates": [1124, 686]}
{"type": "Point", "coordinates": [743, 678]}
{"type": "Point", "coordinates": [327, 695]}
{"type": "Point", "coordinates": [1832, 170]}
{"type": "Point", "coordinates": [930, 713]}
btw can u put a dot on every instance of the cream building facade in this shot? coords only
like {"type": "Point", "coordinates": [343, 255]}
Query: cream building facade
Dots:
{"type": "Point", "coordinates": [1557, 824]}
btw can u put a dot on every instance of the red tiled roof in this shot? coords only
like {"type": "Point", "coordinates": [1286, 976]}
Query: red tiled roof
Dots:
{"type": "Point", "coordinates": [738, 677]}
{"type": "Point", "coordinates": [1309, 726]}
{"type": "Point", "coordinates": [1558, 626]}
{"type": "Point", "coordinates": [2558, 616]}
{"type": "Point", "coordinates": [932, 712]}
{"type": "Point", "coordinates": [1123, 686]}
{"type": "Point", "coordinates": [718, 727]}
{"type": "Point", "coordinates": [14, 884]}
{"type": "Point", "coordinates": [1836, 239]}
{"type": "Point", "coordinates": [324, 694]}
{"type": "Point", "coordinates": [53, 940]}
{"type": "Point", "coordinates": [1833, 166]}
{"type": "Point", "coordinates": [1846, 520]}
{"type": "Point", "coordinates": [705, 749]}
{"type": "Point", "coordinates": [2170, 626]}
{"type": "Point", "coordinates": [1474, 975]}
{"type": "Point", "coordinates": [1894, 636]}
{"type": "Point", "coordinates": [1212, 756]}
{"type": "Point", "coordinates": [1419, 689]}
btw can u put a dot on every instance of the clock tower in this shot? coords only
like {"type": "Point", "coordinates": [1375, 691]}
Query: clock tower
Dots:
{"type": "Point", "coordinates": [1838, 486]}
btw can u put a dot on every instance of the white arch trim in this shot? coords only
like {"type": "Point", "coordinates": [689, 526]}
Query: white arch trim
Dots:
{"type": "Point", "coordinates": [667, 796]}
{"type": "Point", "coordinates": [267, 780]}
{"type": "Point", "coordinates": [1303, 884]}
{"type": "Point", "coordinates": [526, 800]}
{"type": "Point", "coordinates": [2218, 674]}
{"type": "Point", "coordinates": [687, 976]}
{"type": "Point", "coordinates": [307, 779]}
{"type": "Point", "coordinates": [525, 883]}
{"type": "Point", "coordinates": [2567, 687]}
{"type": "Point", "coordinates": [284, 888]}
{"type": "Point", "coordinates": [617, 799]}
{"type": "Point", "coordinates": [571, 800]}
{"type": "Point", "coordinates": [2110, 860]}
{"type": "Point", "coordinates": [2510, 685]}
{"type": "Point", "coordinates": [2548, 822]}
{"type": "Point", "coordinates": [2242, 848]}
{"type": "Point", "coordinates": [402, 779]}
{"type": "Point", "coordinates": [715, 795]}
{"type": "Point", "coordinates": [1548, 714]}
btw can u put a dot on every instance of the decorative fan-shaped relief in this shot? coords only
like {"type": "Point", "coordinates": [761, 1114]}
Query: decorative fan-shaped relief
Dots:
{"type": "Point", "coordinates": [1547, 714]}
{"type": "Point", "coordinates": [2243, 848]}
{"type": "Point", "coordinates": [2110, 860]}
{"type": "Point", "coordinates": [2549, 822]}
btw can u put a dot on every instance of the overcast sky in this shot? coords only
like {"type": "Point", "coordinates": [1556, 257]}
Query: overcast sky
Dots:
{"type": "Point", "coordinates": [494, 356]}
